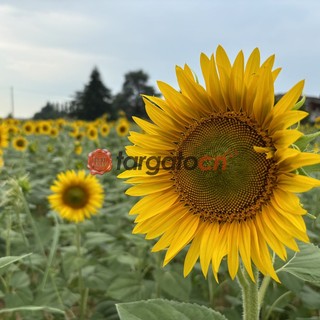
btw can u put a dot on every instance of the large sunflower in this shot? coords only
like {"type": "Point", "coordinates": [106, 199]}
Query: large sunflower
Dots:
{"type": "Point", "coordinates": [220, 172]}
{"type": "Point", "coordinates": [76, 196]}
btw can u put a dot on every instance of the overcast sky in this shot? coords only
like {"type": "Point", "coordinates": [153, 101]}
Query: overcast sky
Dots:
{"type": "Point", "coordinates": [49, 47]}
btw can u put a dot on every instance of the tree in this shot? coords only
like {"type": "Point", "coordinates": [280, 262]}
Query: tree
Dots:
{"type": "Point", "coordinates": [93, 101]}
{"type": "Point", "coordinates": [129, 99]}
{"type": "Point", "coordinates": [49, 111]}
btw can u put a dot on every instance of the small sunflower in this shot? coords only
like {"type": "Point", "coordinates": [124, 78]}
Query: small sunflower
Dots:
{"type": "Point", "coordinates": [54, 132]}
{"type": "Point", "coordinates": [77, 196]}
{"type": "Point", "coordinates": [45, 127]}
{"type": "Point", "coordinates": [37, 128]}
{"type": "Point", "coordinates": [3, 136]}
{"type": "Point", "coordinates": [77, 148]}
{"type": "Point", "coordinates": [12, 130]}
{"type": "Point", "coordinates": [79, 136]}
{"type": "Point", "coordinates": [74, 130]}
{"type": "Point", "coordinates": [104, 129]}
{"type": "Point", "coordinates": [60, 123]}
{"type": "Point", "coordinates": [28, 128]}
{"type": "Point", "coordinates": [122, 128]}
{"type": "Point", "coordinates": [227, 178]}
{"type": "Point", "coordinates": [20, 143]}
{"type": "Point", "coordinates": [92, 133]}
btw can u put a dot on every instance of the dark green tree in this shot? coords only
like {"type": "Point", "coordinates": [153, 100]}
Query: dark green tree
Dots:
{"type": "Point", "coordinates": [49, 111]}
{"type": "Point", "coordinates": [129, 99]}
{"type": "Point", "coordinates": [93, 101]}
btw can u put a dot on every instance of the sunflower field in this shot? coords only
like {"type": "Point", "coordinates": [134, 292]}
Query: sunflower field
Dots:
{"type": "Point", "coordinates": [73, 244]}
{"type": "Point", "coordinates": [47, 276]}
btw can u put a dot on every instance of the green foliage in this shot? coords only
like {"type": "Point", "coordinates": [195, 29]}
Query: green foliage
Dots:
{"type": "Point", "coordinates": [303, 142]}
{"type": "Point", "coordinates": [310, 256]}
{"type": "Point", "coordinates": [161, 309]}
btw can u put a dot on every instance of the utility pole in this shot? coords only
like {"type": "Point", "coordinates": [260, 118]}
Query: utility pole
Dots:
{"type": "Point", "coordinates": [12, 101]}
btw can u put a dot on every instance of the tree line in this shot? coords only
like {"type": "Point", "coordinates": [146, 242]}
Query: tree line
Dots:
{"type": "Point", "coordinates": [96, 99]}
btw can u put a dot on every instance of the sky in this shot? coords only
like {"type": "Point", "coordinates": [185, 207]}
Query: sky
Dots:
{"type": "Point", "coordinates": [48, 48]}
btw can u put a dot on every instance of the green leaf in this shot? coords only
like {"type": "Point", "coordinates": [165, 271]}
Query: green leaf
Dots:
{"type": "Point", "coordinates": [303, 141]}
{"type": "Point", "coordinates": [5, 261]}
{"type": "Point", "coordinates": [304, 264]}
{"type": "Point", "coordinates": [126, 288]}
{"type": "Point", "coordinates": [20, 279]}
{"type": "Point", "coordinates": [32, 308]}
{"type": "Point", "coordinates": [310, 297]}
{"type": "Point", "coordinates": [312, 168]}
{"type": "Point", "coordinates": [299, 104]}
{"type": "Point", "coordinates": [174, 284]}
{"type": "Point", "coordinates": [159, 309]}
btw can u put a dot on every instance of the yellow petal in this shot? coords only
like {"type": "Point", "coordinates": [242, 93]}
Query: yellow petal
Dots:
{"type": "Point", "coordinates": [264, 99]}
{"type": "Point", "coordinates": [296, 183]}
{"type": "Point", "coordinates": [165, 240]}
{"type": "Point", "coordinates": [233, 244]}
{"type": "Point", "coordinates": [236, 82]}
{"type": "Point", "coordinates": [208, 243]}
{"type": "Point", "coordinates": [287, 201]}
{"type": "Point", "coordinates": [195, 92]}
{"type": "Point", "coordinates": [288, 225]}
{"type": "Point", "coordinates": [221, 248]}
{"type": "Point", "coordinates": [159, 117]}
{"type": "Point", "coordinates": [171, 111]}
{"type": "Point", "coordinates": [275, 73]}
{"type": "Point", "coordinates": [245, 248]}
{"type": "Point", "coordinates": [193, 252]}
{"type": "Point", "coordinates": [288, 101]}
{"type": "Point", "coordinates": [154, 203]}
{"type": "Point", "coordinates": [277, 229]}
{"type": "Point", "coordinates": [180, 101]}
{"type": "Point", "coordinates": [284, 138]}
{"type": "Point", "coordinates": [164, 221]}
{"type": "Point", "coordinates": [150, 141]}
{"type": "Point", "coordinates": [270, 238]}
{"type": "Point", "coordinates": [252, 65]}
{"type": "Point", "coordinates": [289, 161]}
{"type": "Point", "coordinates": [285, 120]}
{"type": "Point", "coordinates": [183, 235]}
{"type": "Point", "coordinates": [148, 188]}
{"type": "Point", "coordinates": [224, 67]}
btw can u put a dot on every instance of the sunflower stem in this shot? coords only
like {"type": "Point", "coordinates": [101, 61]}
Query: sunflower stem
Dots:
{"type": "Point", "coordinates": [33, 223]}
{"type": "Point", "coordinates": [263, 288]}
{"type": "Point", "coordinates": [82, 291]}
{"type": "Point", "coordinates": [250, 301]}
{"type": "Point", "coordinates": [211, 289]}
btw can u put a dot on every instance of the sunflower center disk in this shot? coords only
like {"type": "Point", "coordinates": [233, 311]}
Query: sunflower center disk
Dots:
{"type": "Point", "coordinates": [20, 143]}
{"type": "Point", "coordinates": [75, 197]}
{"type": "Point", "coordinates": [222, 178]}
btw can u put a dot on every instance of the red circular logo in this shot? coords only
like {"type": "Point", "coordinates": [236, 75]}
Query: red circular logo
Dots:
{"type": "Point", "coordinates": [99, 161]}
